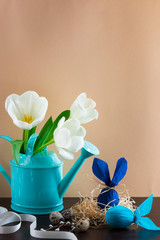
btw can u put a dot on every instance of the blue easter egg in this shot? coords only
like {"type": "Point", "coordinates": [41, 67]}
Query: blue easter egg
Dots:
{"type": "Point", "coordinates": [119, 217]}
{"type": "Point", "coordinates": [109, 197]}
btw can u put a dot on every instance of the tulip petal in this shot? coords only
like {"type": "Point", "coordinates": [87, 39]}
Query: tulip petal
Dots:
{"type": "Point", "coordinates": [77, 111]}
{"type": "Point", "coordinates": [61, 122]}
{"type": "Point", "coordinates": [81, 132]}
{"type": "Point", "coordinates": [90, 103]}
{"type": "Point", "coordinates": [75, 128]}
{"type": "Point", "coordinates": [14, 111]}
{"type": "Point", "coordinates": [23, 125]}
{"type": "Point", "coordinates": [27, 100]}
{"type": "Point", "coordinates": [65, 154]}
{"type": "Point", "coordinates": [68, 137]}
{"type": "Point", "coordinates": [72, 124]}
{"type": "Point", "coordinates": [29, 103]}
{"type": "Point", "coordinates": [92, 114]}
{"type": "Point", "coordinates": [83, 109]}
{"type": "Point", "coordinates": [9, 100]}
{"type": "Point", "coordinates": [81, 98]}
{"type": "Point", "coordinates": [62, 137]}
{"type": "Point", "coordinates": [39, 107]}
{"type": "Point", "coordinates": [77, 144]}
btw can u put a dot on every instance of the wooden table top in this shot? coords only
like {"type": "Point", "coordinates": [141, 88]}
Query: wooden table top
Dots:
{"type": "Point", "coordinates": [94, 234]}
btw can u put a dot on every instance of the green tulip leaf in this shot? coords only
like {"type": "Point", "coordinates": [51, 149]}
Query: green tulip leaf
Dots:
{"type": "Point", "coordinates": [46, 134]}
{"type": "Point", "coordinates": [16, 146]}
{"type": "Point", "coordinates": [31, 131]}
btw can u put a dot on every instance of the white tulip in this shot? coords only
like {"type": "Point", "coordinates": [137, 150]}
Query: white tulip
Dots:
{"type": "Point", "coordinates": [69, 137]}
{"type": "Point", "coordinates": [83, 109]}
{"type": "Point", "coordinates": [26, 110]}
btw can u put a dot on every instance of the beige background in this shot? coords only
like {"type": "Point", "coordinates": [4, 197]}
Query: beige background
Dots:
{"type": "Point", "coordinates": [108, 49]}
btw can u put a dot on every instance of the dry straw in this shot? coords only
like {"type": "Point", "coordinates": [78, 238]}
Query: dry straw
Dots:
{"type": "Point", "coordinates": [87, 206]}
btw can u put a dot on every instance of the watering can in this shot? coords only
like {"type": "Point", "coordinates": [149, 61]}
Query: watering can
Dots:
{"type": "Point", "coordinates": [37, 185]}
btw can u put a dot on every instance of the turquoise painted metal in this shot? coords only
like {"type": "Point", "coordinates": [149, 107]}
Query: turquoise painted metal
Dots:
{"type": "Point", "coordinates": [38, 186]}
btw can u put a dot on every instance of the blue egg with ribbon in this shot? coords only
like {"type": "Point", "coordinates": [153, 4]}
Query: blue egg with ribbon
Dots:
{"type": "Point", "coordinates": [109, 196]}
{"type": "Point", "coordinates": [119, 217]}
{"type": "Point", "coordinates": [122, 217]}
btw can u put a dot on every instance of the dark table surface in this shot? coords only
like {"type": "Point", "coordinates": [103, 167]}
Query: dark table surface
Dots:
{"type": "Point", "coordinates": [94, 234]}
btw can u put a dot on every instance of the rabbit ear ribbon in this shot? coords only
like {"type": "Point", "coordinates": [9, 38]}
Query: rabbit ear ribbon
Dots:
{"type": "Point", "coordinates": [144, 208]}
{"type": "Point", "coordinates": [147, 223]}
{"type": "Point", "coordinates": [101, 171]}
{"type": "Point", "coordinates": [120, 171]}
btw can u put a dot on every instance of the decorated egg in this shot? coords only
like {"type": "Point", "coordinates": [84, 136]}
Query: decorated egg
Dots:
{"type": "Point", "coordinates": [68, 214]}
{"type": "Point", "coordinates": [56, 217]}
{"type": "Point", "coordinates": [82, 225]}
{"type": "Point", "coordinates": [108, 197]}
{"type": "Point", "coordinates": [119, 217]}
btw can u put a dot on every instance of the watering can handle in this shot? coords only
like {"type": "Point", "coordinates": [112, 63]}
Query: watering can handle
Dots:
{"type": "Point", "coordinates": [5, 174]}
{"type": "Point", "coordinates": [29, 152]}
{"type": "Point", "coordinates": [2, 170]}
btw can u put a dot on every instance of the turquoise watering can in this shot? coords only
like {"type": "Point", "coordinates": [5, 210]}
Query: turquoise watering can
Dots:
{"type": "Point", "coordinates": [37, 186]}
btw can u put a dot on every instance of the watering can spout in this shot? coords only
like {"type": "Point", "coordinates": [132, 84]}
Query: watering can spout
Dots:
{"type": "Point", "coordinates": [87, 151]}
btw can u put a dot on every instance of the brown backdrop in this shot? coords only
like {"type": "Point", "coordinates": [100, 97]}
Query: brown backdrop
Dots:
{"type": "Point", "coordinates": [108, 49]}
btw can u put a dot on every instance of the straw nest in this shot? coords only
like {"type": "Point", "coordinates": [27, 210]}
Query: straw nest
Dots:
{"type": "Point", "coordinates": [87, 206]}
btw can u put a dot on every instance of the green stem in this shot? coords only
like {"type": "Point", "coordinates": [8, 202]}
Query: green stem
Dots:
{"type": "Point", "coordinates": [25, 139]}
{"type": "Point", "coordinates": [43, 146]}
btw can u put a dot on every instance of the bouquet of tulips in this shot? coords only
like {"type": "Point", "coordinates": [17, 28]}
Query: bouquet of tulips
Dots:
{"type": "Point", "coordinates": [66, 132]}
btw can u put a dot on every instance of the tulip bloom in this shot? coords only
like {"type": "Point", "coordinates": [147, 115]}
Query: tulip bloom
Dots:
{"type": "Point", "coordinates": [26, 110]}
{"type": "Point", "coordinates": [69, 137]}
{"type": "Point", "coordinates": [83, 109]}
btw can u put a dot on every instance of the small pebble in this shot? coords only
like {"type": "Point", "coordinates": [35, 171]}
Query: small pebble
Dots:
{"type": "Point", "coordinates": [82, 225]}
{"type": "Point", "coordinates": [56, 218]}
